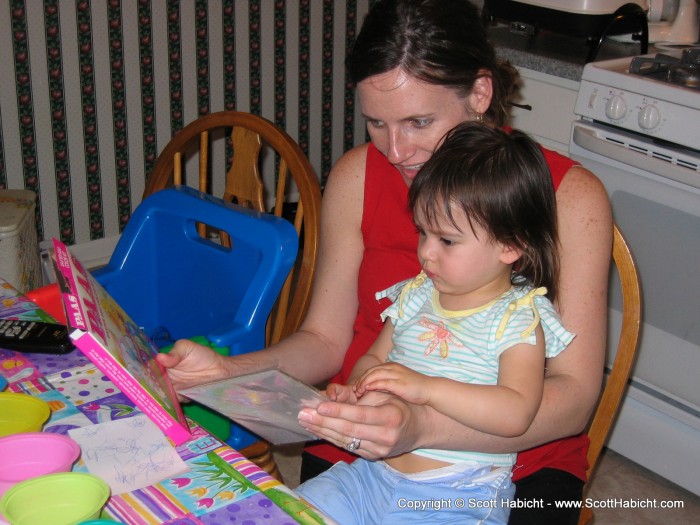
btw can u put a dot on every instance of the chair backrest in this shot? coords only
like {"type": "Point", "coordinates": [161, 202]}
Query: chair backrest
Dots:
{"type": "Point", "coordinates": [245, 142]}
{"type": "Point", "coordinates": [616, 384]}
{"type": "Point", "coordinates": [175, 284]}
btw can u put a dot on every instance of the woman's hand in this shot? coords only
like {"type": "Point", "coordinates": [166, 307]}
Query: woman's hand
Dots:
{"type": "Point", "coordinates": [190, 364]}
{"type": "Point", "coordinates": [384, 424]}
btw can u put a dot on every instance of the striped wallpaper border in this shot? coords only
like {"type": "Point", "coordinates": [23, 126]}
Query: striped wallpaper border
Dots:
{"type": "Point", "coordinates": [86, 59]}
{"type": "Point", "coordinates": [99, 89]}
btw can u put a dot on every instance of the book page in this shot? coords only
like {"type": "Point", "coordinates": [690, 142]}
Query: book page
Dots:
{"type": "Point", "coordinates": [266, 403]}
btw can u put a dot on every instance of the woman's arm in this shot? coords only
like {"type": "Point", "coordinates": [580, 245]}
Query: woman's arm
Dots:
{"type": "Point", "coordinates": [316, 351]}
{"type": "Point", "coordinates": [573, 379]}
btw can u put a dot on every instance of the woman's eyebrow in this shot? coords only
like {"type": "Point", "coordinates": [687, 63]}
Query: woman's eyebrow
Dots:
{"type": "Point", "coordinates": [404, 119]}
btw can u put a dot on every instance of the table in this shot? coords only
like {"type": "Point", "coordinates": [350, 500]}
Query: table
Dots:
{"type": "Point", "coordinates": [221, 486]}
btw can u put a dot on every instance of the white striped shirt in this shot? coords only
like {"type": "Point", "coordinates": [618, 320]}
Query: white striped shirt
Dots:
{"type": "Point", "coordinates": [466, 345]}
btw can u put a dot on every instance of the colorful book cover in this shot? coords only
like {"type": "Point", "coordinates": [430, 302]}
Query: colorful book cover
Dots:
{"type": "Point", "coordinates": [117, 345]}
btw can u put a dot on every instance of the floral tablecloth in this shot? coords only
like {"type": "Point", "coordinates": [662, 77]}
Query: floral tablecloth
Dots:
{"type": "Point", "coordinates": [221, 486]}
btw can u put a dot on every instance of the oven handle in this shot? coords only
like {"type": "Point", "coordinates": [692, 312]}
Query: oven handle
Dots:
{"type": "Point", "coordinates": [587, 139]}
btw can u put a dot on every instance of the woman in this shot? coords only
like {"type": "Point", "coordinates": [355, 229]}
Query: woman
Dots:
{"type": "Point", "coordinates": [421, 68]}
{"type": "Point", "coordinates": [467, 336]}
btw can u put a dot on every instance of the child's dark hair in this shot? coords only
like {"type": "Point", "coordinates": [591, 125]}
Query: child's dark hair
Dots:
{"type": "Point", "coordinates": [502, 182]}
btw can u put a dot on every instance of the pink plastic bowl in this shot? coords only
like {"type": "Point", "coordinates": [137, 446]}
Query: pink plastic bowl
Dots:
{"type": "Point", "coordinates": [25, 456]}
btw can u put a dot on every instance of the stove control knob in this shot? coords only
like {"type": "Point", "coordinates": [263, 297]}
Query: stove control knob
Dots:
{"type": "Point", "coordinates": [649, 117]}
{"type": "Point", "coordinates": [615, 108]}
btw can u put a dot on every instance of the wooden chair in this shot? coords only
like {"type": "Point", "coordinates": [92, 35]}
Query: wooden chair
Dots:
{"type": "Point", "coordinates": [258, 159]}
{"type": "Point", "coordinates": [626, 349]}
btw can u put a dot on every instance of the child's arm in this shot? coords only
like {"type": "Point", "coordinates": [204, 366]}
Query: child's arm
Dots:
{"type": "Point", "coordinates": [377, 354]}
{"type": "Point", "coordinates": [505, 409]}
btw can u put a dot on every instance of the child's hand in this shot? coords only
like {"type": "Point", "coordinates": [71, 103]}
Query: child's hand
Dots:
{"type": "Point", "coordinates": [397, 379]}
{"type": "Point", "coordinates": [341, 393]}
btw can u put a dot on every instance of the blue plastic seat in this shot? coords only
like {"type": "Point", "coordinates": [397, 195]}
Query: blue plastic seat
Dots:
{"type": "Point", "coordinates": [176, 284]}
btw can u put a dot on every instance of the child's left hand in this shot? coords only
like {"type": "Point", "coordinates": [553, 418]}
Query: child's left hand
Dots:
{"type": "Point", "coordinates": [396, 379]}
{"type": "Point", "coordinates": [341, 393]}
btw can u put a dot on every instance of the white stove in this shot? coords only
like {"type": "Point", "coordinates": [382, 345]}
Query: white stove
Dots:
{"type": "Point", "coordinates": [656, 95]}
{"type": "Point", "coordinates": [640, 134]}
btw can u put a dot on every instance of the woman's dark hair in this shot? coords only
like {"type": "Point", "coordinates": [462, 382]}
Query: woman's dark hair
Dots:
{"type": "Point", "coordinates": [440, 42]}
{"type": "Point", "coordinates": [502, 183]}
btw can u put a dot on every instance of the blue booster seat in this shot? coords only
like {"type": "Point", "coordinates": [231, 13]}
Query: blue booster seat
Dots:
{"type": "Point", "coordinates": [177, 284]}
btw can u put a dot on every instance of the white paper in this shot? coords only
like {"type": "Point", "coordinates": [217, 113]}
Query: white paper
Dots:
{"type": "Point", "coordinates": [129, 453]}
{"type": "Point", "coordinates": [267, 403]}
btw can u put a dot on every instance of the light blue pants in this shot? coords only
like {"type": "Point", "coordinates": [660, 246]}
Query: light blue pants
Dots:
{"type": "Point", "coordinates": [371, 492]}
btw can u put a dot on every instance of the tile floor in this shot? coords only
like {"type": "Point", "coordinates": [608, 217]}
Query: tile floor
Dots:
{"type": "Point", "coordinates": [615, 478]}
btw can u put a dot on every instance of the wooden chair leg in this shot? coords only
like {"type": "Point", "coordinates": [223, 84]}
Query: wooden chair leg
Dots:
{"type": "Point", "coordinates": [260, 453]}
{"type": "Point", "coordinates": [586, 516]}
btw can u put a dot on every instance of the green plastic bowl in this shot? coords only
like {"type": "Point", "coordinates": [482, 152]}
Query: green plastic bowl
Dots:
{"type": "Point", "coordinates": [21, 413]}
{"type": "Point", "coordinates": [66, 498]}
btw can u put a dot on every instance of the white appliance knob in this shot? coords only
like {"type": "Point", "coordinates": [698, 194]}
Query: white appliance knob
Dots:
{"type": "Point", "coordinates": [616, 108]}
{"type": "Point", "coordinates": [649, 117]}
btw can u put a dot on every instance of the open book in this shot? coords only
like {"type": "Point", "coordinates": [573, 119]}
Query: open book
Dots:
{"type": "Point", "coordinates": [117, 346]}
{"type": "Point", "coordinates": [266, 403]}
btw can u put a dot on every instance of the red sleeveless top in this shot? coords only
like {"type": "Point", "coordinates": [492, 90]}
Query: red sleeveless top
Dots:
{"type": "Point", "coordinates": [391, 242]}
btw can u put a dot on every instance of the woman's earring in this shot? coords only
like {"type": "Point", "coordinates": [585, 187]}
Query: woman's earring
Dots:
{"type": "Point", "coordinates": [479, 118]}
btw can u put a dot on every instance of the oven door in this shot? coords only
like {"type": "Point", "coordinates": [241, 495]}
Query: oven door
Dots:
{"type": "Point", "coordinates": [656, 203]}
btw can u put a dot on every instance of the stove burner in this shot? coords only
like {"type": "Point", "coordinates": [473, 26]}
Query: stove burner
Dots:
{"type": "Point", "coordinates": [683, 71]}
{"type": "Point", "coordinates": [691, 56]}
{"type": "Point", "coordinates": [687, 75]}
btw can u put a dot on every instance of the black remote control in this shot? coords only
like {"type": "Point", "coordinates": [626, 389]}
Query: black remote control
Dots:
{"type": "Point", "coordinates": [34, 336]}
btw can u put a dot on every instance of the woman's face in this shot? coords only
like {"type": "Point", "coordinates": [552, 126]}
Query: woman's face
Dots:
{"type": "Point", "coordinates": [406, 118]}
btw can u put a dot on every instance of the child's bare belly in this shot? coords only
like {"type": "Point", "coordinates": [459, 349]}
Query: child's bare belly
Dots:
{"type": "Point", "coordinates": [410, 463]}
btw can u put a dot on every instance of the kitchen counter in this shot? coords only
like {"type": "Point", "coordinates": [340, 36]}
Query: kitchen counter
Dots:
{"type": "Point", "coordinates": [554, 54]}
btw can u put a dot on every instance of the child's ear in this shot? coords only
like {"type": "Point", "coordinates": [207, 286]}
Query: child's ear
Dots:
{"type": "Point", "coordinates": [510, 254]}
